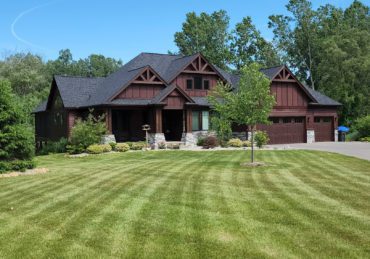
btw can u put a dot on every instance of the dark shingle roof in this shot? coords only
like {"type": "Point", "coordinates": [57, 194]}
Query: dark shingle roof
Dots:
{"type": "Point", "coordinates": [41, 107]}
{"type": "Point", "coordinates": [83, 91]}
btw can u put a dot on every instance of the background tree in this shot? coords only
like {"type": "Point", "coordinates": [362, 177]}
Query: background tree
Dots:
{"type": "Point", "coordinates": [208, 34]}
{"type": "Point", "coordinates": [250, 103]}
{"type": "Point", "coordinates": [247, 46]}
{"type": "Point", "coordinates": [16, 139]}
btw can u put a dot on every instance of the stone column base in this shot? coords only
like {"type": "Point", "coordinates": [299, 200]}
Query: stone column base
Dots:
{"type": "Point", "coordinates": [106, 139]}
{"type": "Point", "coordinates": [155, 139]}
{"type": "Point", "coordinates": [336, 135]}
{"type": "Point", "coordinates": [189, 139]}
{"type": "Point", "coordinates": [310, 136]}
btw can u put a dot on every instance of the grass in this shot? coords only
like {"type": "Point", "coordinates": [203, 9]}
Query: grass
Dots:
{"type": "Point", "coordinates": [189, 204]}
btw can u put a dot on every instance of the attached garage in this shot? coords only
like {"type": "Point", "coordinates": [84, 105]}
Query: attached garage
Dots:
{"type": "Point", "coordinates": [285, 130]}
{"type": "Point", "coordinates": [324, 130]}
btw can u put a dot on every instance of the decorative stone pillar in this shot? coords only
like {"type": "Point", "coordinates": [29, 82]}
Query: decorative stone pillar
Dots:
{"type": "Point", "coordinates": [310, 136]}
{"type": "Point", "coordinates": [336, 135]}
{"type": "Point", "coordinates": [188, 139]}
{"type": "Point", "coordinates": [106, 139]}
{"type": "Point", "coordinates": [155, 139]}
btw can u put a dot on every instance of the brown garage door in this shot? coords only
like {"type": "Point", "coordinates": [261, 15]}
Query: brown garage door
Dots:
{"type": "Point", "coordinates": [323, 127]}
{"type": "Point", "coordinates": [285, 130]}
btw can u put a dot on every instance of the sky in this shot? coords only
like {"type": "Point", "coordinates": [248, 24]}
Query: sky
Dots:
{"type": "Point", "coordinates": [118, 29]}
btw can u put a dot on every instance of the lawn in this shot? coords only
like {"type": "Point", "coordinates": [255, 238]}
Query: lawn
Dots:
{"type": "Point", "coordinates": [189, 204]}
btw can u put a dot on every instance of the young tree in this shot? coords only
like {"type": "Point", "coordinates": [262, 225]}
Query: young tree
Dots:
{"type": "Point", "coordinates": [250, 103]}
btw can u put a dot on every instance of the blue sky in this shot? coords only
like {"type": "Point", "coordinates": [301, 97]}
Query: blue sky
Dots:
{"type": "Point", "coordinates": [119, 29]}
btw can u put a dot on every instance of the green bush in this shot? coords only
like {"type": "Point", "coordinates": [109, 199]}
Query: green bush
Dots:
{"type": "Point", "coordinates": [98, 149]}
{"type": "Point", "coordinates": [353, 136]}
{"type": "Point", "coordinates": [261, 138]}
{"type": "Point", "coordinates": [54, 147]}
{"type": "Point", "coordinates": [75, 149]}
{"type": "Point", "coordinates": [87, 132]}
{"type": "Point", "coordinates": [122, 147]}
{"type": "Point", "coordinates": [235, 142]}
{"type": "Point", "coordinates": [113, 145]}
{"type": "Point", "coordinates": [210, 142]}
{"type": "Point", "coordinates": [162, 145]}
{"type": "Point", "coordinates": [246, 143]}
{"type": "Point", "coordinates": [16, 165]}
{"type": "Point", "coordinates": [200, 141]}
{"type": "Point", "coordinates": [137, 145]}
{"type": "Point", "coordinates": [362, 125]}
{"type": "Point", "coordinates": [365, 139]}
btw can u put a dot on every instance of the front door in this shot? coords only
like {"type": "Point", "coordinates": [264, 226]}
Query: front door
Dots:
{"type": "Point", "coordinates": [172, 124]}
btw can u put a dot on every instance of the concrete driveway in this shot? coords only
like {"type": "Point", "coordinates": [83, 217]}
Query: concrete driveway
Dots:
{"type": "Point", "coordinates": [356, 149]}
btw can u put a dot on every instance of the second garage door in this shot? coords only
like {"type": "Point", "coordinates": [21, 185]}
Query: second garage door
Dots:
{"type": "Point", "coordinates": [323, 127]}
{"type": "Point", "coordinates": [285, 130]}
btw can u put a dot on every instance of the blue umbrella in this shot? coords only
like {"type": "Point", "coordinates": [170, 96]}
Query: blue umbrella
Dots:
{"type": "Point", "coordinates": [343, 129]}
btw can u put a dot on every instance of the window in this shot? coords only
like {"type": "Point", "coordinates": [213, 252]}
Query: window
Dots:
{"type": "Point", "coordinates": [197, 82]}
{"type": "Point", "coordinates": [298, 120]}
{"type": "Point", "coordinates": [287, 120]}
{"type": "Point", "coordinates": [206, 84]}
{"type": "Point", "coordinates": [195, 124]}
{"type": "Point", "coordinates": [189, 84]}
{"type": "Point", "coordinates": [326, 119]}
{"type": "Point", "coordinates": [274, 120]}
{"type": "Point", "coordinates": [205, 120]}
{"type": "Point", "coordinates": [317, 120]}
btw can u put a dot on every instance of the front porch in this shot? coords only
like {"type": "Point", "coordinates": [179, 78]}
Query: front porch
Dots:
{"type": "Point", "coordinates": [179, 125]}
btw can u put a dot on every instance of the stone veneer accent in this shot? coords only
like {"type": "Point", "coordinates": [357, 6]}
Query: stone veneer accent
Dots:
{"type": "Point", "coordinates": [310, 136]}
{"type": "Point", "coordinates": [336, 135]}
{"type": "Point", "coordinates": [191, 138]}
{"type": "Point", "coordinates": [106, 139]}
{"type": "Point", "coordinates": [155, 138]}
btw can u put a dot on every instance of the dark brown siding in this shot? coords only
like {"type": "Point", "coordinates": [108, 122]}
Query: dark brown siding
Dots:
{"type": "Point", "coordinates": [137, 91]}
{"type": "Point", "coordinates": [181, 82]}
{"type": "Point", "coordinates": [174, 100]}
{"type": "Point", "coordinates": [288, 94]}
{"type": "Point", "coordinates": [51, 125]}
{"type": "Point", "coordinates": [324, 130]}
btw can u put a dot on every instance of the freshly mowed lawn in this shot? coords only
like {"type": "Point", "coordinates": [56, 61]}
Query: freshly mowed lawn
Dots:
{"type": "Point", "coordinates": [189, 204]}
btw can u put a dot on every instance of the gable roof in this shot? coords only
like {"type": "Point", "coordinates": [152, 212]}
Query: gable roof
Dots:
{"type": "Point", "coordinates": [77, 92]}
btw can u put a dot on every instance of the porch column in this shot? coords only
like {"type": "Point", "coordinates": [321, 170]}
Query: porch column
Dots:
{"type": "Point", "coordinates": [310, 131]}
{"type": "Point", "coordinates": [189, 120]}
{"type": "Point", "coordinates": [158, 120]}
{"type": "Point", "coordinates": [108, 120]}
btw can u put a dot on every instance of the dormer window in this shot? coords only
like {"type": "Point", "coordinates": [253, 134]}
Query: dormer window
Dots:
{"type": "Point", "coordinates": [206, 84]}
{"type": "Point", "coordinates": [198, 82]}
{"type": "Point", "coordinates": [189, 84]}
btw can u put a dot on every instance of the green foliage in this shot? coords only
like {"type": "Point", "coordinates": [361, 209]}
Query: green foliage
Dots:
{"type": "Point", "coordinates": [162, 145]}
{"type": "Point", "coordinates": [362, 125]}
{"type": "Point", "coordinates": [113, 145]}
{"type": "Point", "coordinates": [87, 132]}
{"type": "Point", "coordinates": [139, 145]}
{"type": "Point", "coordinates": [16, 165]}
{"type": "Point", "coordinates": [261, 138]}
{"type": "Point", "coordinates": [235, 142]}
{"type": "Point", "coordinates": [98, 149]}
{"type": "Point", "coordinates": [75, 149]}
{"type": "Point", "coordinates": [210, 142]}
{"type": "Point", "coordinates": [222, 126]}
{"type": "Point", "coordinates": [365, 139]}
{"type": "Point", "coordinates": [200, 141]}
{"type": "Point", "coordinates": [247, 143]}
{"type": "Point", "coordinates": [16, 138]}
{"type": "Point", "coordinates": [51, 147]}
{"type": "Point", "coordinates": [248, 46]}
{"type": "Point", "coordinates": [122, 147]}
{"type": "Point", "coordinates": [206, 33]}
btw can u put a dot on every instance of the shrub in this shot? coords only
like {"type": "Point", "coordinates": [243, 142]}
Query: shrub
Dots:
{"type": "Point", "coordinates": [88, 132]}
{"type": "Point", "coordinates": [210, 142]}
{"type": "Point", "coordinates": [235, 142]}
{"type": "Point", "coordinates": [246, 143]}
{"type": "Point", "coordinates": [75, 149]}
{"type": "Point", "coordinates": [261, 138]}
{"type": "Point", "coordinates": [173, 146]}
{"type": "Point", "coordinates": [122, 147]}
{"type": "Point", "coordinates": [362, 125]}
{"type": "Point", "coordinates": [59, 146]}
{"type": "Point", "coordinates": [16, 165]}
{"type": "Point", "coordinates": [354, 135]}
{"type": "Point", "coordinates": [162, 145]}
{"type": "Point", "coordinates": [365, 139]}
{"type": "Point", "coordinates": [200, 141]}
{"type": "Point", "coordinates": [98, 149]}
{"type": "Point", "coordinates": [137, 145]}
{"type": "Point", "coordinates": [113, 145]}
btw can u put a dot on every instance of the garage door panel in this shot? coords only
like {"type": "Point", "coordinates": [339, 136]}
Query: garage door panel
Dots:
{"type": "Point", "coordinates": [285, 130]}
{"type": "Point", "coordinates": [324, 130]}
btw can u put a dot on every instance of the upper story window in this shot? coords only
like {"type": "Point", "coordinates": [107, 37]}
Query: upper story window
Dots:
{"type": "Point", "coordinates": [198, 82]}
{"type": "Point", "coordinates": [317, 120]}
{"type": "Point", "coordinates": [189, 84]}
{"type": "Point", "coordinates": [206, 84]}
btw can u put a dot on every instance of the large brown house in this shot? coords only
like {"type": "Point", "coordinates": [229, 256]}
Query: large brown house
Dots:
{"type": "Point", "coordinates": [168, 92]}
